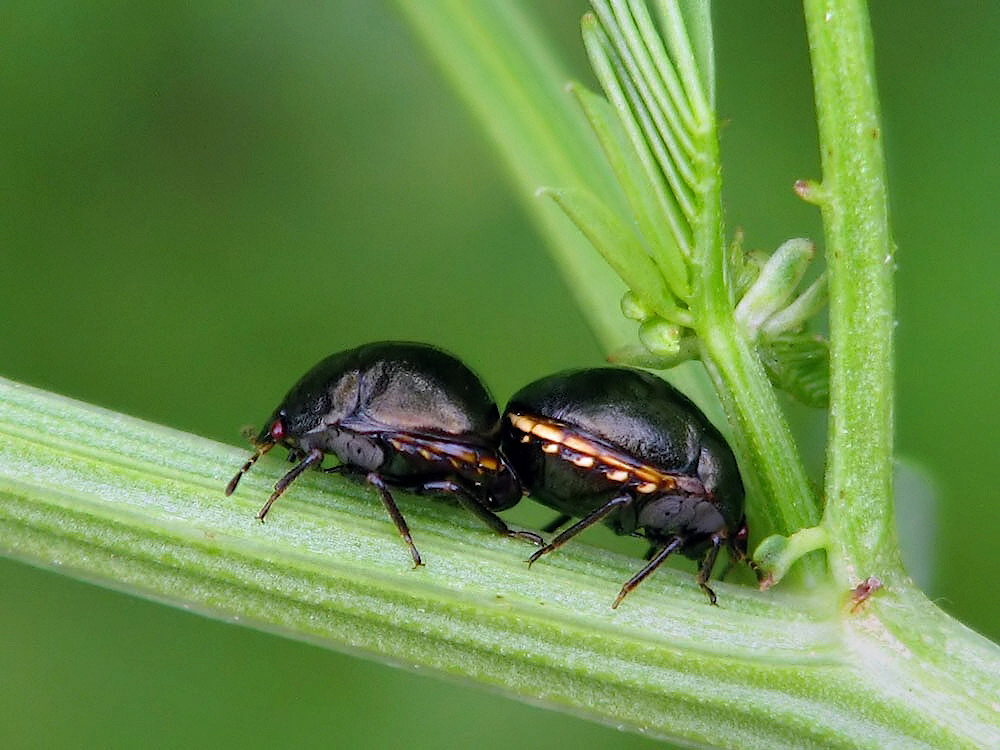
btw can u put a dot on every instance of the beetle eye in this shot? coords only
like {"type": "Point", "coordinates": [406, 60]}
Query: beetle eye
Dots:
{"type": "Point", "coordinates": [278, 431]}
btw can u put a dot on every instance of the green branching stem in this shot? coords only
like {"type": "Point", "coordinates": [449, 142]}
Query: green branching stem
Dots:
{"type": "Point", "coordinates": [860, 254]}
{"type": "Point", "coordinates": [762, 432]}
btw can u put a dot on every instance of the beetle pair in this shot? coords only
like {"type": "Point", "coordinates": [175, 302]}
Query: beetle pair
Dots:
{"type": "Point", "coordinates": [609, 444]}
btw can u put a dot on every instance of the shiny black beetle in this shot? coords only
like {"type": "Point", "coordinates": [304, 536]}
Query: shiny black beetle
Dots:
{"type": "Point", "coordinates": [624, 447]}
{"type": "Point", "coordinates": [402, 414]}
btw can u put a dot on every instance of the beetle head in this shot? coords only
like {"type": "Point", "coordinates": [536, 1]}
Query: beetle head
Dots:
{"type": "Point", "coordinates": [503, 489]}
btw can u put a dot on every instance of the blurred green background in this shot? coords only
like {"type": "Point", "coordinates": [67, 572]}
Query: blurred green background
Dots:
{"type": "Point", "coordinates": [198, 201]}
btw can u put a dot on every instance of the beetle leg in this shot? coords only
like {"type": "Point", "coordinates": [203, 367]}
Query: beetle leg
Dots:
{"type": "Point", "coordinates": [705, 571]}
{"type": "Point", "coordinates": [727, 568]}
{"type": "Point", "coordinates": [648, 568]}
{"type": "Point", "coordinates": [314, 456]}
{"type": "Point", "coordinates": [590, 519]}
{"type": "Point", "coordinates": [736, 545]}
{"type": "Point", "coordinates": [557, 523]}
{"type": "Point", "coordinates": [394, 513]}
{"type": "Point", "coordinates": [472, 503]}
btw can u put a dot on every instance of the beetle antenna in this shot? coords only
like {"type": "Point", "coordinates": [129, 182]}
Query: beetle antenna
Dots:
{"type": "Point", "coordinates": [261, 450]}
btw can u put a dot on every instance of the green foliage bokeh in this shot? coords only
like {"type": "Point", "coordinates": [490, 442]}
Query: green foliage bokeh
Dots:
{"type": "Point", "coordinates": [197, 203]}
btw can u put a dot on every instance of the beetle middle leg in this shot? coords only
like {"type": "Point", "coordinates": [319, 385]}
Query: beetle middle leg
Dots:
{"type": "Point", "coordinates": [473, 504]}
{"type": "Point", "coordinates": [394, 513]}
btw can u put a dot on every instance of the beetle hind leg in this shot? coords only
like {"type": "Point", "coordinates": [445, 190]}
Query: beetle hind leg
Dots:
{"type": "Point", "coordinates": [473, 504]}
{"type": "Point", "coordinates": [595, 516]}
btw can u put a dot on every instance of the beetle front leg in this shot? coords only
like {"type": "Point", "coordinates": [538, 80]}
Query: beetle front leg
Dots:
{"type": "Point", "coordinates": [390, 505]}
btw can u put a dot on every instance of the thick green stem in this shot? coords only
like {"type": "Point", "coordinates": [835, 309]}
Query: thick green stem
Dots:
{"type": "Point", "coordinates": [854, 203]}
{"type": "Point", "coordinates": [763, 434]}
{"type": "Point", "coordinates": [140, 507]}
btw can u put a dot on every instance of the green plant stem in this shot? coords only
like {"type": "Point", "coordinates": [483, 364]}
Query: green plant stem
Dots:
{"type": "Point", "coordinates": [854, 203]}
{"type": "Point", "coordinates": [860, 256]}
{"type": "Point", "coordinates": [139, 507]}
{"type": "Point", "coordinates": [765, 441]}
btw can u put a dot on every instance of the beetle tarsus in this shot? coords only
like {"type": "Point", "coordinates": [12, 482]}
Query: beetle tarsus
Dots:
{"type": "Point", "coordinates": [261, 450]}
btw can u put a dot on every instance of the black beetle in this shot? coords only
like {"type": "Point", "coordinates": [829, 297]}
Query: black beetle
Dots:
{"type": "Point", "coordinates": [624, 447]}
{"type": "Point", "coordinates": [402, 414]}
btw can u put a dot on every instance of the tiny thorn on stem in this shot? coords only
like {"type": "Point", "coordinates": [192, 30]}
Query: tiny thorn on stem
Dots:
{"type": "Point", "coordinates": [810, 191]}
{"type": "Point", "coordinates": [863, 591]}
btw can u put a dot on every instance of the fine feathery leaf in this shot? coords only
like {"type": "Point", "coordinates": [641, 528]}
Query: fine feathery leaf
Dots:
{"type": "Point", "coordinates": [697, 19]}
{"type": "Point", "coordinates": [621, 94]}
{"type": "Point", "coordinates": [638, 188]}
{"type": "Point", "coordinates": [665, 117]}
{"type": "Point", "coordinates": [680, 26]}
{"type": "Point", "coordinates": [620, 247]}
